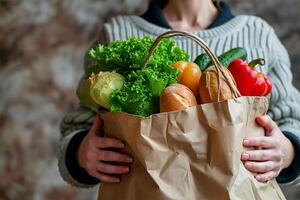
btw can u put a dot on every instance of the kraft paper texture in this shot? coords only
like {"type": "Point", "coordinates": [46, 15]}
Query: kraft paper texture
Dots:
{"type": "Point", "coordinates": [189, 154]}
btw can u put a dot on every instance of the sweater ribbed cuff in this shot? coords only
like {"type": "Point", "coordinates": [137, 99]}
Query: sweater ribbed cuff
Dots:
{"type": "Point", "coordinates": [293, 171]}
{"type": "Point", "coordinates": [78, 173]}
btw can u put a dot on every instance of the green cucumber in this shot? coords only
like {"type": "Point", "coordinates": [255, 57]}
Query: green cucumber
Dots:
{"type": "Point", "coordinates": [231, 55]}
{"type": "Point", "coordinates": [202, 61]}
{"type": "Point", "coordinates": [225, 59]}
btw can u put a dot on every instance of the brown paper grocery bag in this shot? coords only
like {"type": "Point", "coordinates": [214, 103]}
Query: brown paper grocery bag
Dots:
{"type": "Point", "coordinates": [192, 154]}
{"type": "Point", "coordinates": [189, 154]}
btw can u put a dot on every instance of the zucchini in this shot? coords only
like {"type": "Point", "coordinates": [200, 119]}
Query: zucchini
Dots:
{"type": "Point", "coordinates": [225, 59]}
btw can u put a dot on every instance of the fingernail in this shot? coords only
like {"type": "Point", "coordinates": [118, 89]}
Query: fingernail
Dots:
{"type": "Point", "coordinates": [258, 178]}
{"type": "Point", "coordinates": [115, 179]}
{"type": "Point", "coordinates": [129, 159]}
{"type": "Point", "coordinates": [246, 142]}
{"type": "Point", "coordinates": [126, 169]}
{"type": "Point", "coordinates": [247, 164]}
{"type": "Point", "coordinates": [121, 145]}
{"type": "Point", "coordinates": [245, 156]}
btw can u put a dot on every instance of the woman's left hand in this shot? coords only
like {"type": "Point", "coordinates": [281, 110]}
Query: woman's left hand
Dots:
{"type": "Point", "coordinates": [273, 152]}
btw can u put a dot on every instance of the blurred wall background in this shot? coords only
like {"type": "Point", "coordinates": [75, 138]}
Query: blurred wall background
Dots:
{"type": "Point", "coordinates": [42, 44]}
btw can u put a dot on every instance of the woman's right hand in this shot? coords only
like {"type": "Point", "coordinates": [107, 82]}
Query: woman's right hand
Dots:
{"type": "Point", "coordinates": [93, 155]}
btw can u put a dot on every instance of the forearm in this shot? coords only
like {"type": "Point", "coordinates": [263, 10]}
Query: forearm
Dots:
{"type": "Point", "coordinates": [68, 165]}
{"type": "Point", "coordinates": [291, 174]}
{"type": "Point", "coordinates": [73, 128]}
{"type": "Point", "coordinates": [80, 119]}
{"type": "Point", "coordinates": [286, 114]}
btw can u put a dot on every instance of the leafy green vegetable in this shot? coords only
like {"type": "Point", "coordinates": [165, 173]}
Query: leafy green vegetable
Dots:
{"type": "Point", "coordinates": [123, 56]}
{"type": "Point", "coordinates": [103, 84]}
{"type": "Point", "coordinates": [142, 87]}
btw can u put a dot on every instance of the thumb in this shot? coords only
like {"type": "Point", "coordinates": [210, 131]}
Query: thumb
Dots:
{"type": "Point", "coordinates": [97, 124]}
{"type": "Point", "coordinates": [267, 123]}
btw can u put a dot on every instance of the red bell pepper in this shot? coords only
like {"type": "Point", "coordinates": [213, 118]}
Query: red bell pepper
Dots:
{"type": "Point", "coordinates": [249, 81]}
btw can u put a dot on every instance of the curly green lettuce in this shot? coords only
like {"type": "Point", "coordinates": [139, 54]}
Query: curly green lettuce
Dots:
{"type": "Point", "coordinates": [142, 87]}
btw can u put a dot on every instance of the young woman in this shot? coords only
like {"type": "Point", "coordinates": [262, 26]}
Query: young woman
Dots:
{"type": "Point", "coordinates": [83, 156]}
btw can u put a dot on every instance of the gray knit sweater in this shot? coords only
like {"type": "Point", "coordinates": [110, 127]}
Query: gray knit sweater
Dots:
{"type": "Point", "coordinates": [249, 32]}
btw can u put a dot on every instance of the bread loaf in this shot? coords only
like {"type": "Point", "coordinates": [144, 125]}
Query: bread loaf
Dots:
{"type": "Point", "coordinates": [208, 86]}
{"type": "Point", "coordinates": [176, 97]}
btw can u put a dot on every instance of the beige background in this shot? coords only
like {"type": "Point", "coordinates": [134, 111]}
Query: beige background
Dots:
{"type": "Point", "coordinates": [42, 43]}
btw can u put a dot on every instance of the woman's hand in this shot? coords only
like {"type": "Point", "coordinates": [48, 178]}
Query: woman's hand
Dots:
{"type": "Point", "coordinates": [94, 156]}
{"type": "Point", "coordinates": [273, 152]}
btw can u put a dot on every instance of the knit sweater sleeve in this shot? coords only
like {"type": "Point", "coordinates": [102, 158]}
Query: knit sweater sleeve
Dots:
{"type": "Point", "coordinates": [284, 106]}
{"type": "Point", "coordinates": [73, 128]}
